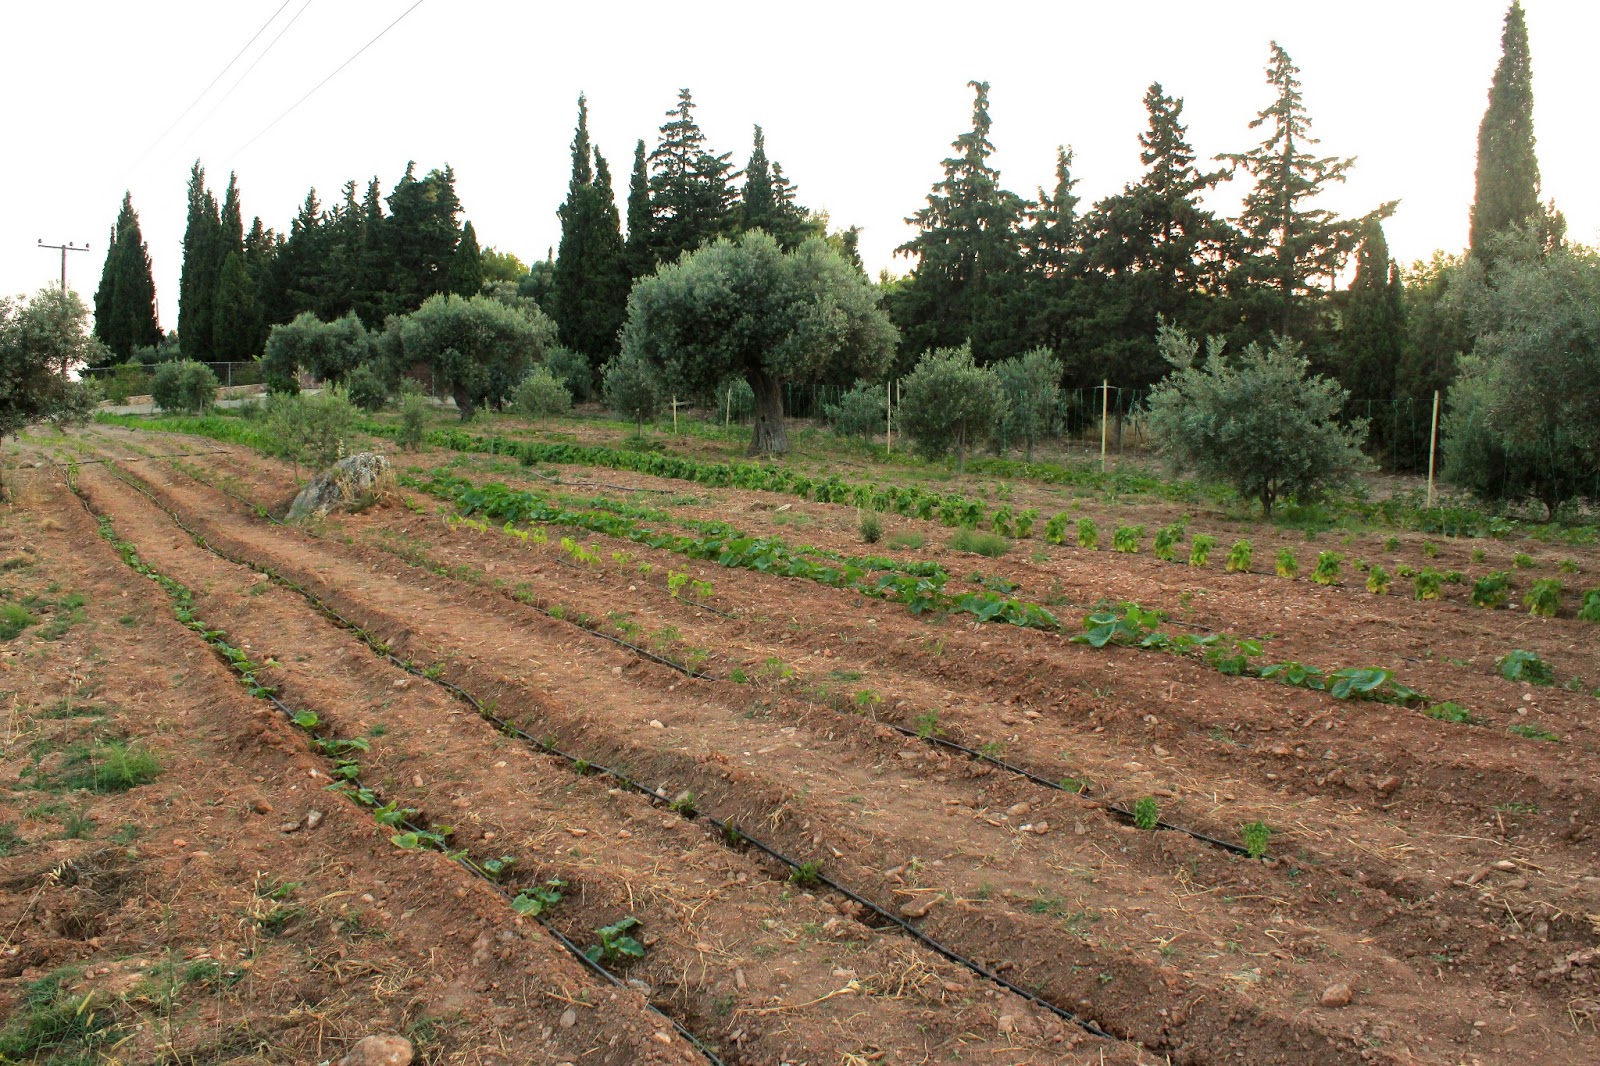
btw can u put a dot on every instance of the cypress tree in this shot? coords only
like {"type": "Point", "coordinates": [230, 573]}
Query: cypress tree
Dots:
{"type": "Point", "coordinates": [124, 304]}
{"type": "Point", "coordinates": [422, 234]}
{"type": "Point", "coordinates": [197, 284]}
{"type": "Point", "coordinates": [1290, 246]}
{"type": "Point", "coordinates": [232, 222]}
{"type": "Point", "coordinates": [302, 263]}
{"type": "Point", "coordinates": [591, 273]}
{"type": "Point", "coordinates": [466, 268]}
{"type": "Point", "coordinates": [641, 218]}
{"type": "Point", "coordinates": [1507, 192]}
{"type": "Point", "coordinates": [236, 327]}
{"type": "Point", "coordinates": [261, 248]}
{"type": "Point", "coordinates": [1372, 337]}
{"type": "Point", "coordinates": [371, 297]}
{"type": "Point", "coordinates": [759, 209]}
{"type": "Point", "coordinates": [968, 252]}
{"type": "Point", "coordinates": [611, 277]}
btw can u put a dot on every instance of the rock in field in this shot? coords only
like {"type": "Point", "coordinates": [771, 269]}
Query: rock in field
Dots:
{"type": "Point", "coordinates": [353, 479]}
{"type": "Point", "coordinates": [379, 1051]}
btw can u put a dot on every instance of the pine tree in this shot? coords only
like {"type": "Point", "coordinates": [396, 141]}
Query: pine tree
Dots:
{"type": "Point", "coordinates": [236, 326]}
{"type": "Point", "coordinates": [303, 262]}
{"type": "Point", "coordinates": [371, 299]}
{"type": "Point", "coordinates": [641, 218]}
{"type": "Point", "coordinates": [1507, 191]}
{"type": "Point", "coordinates": [422, 234]}
{"type": "Point", "coordinates": [197, 284]}
{"type": "Point", "coordinates": [692, 197]}
{"type": "Point", "coordinates": [232, 222]}
{"type": "Point", "coordinates": [1372, 337]}
{"type": "Point", "coordinates": [466, 268]}
{"type": "Point", "coordinates": [1289, 245]}
{"type": "Point", "coordinates": [124, 305]}
{"type": "Point", "coordinates": [1051, 241]}
{"type": "Point", "coordinates": [968, 252]}
{"type": "Point", "coordinates": [1157, 253]}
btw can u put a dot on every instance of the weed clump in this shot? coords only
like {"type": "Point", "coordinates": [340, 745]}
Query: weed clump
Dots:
{"type": "Point", "coordinates": [986, 544]}
{"type": "Point", "coordinates": [112, 767]}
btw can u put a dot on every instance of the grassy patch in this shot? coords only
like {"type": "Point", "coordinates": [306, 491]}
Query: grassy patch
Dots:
{"type": "Point", "coordinates": [51, 1020]}
{"type": "Point", "coordinates": [987, 544]}
{"type": "Point", "coordinates": [111, 767]}
{"type": "Point", "coordinates": [14, 618]}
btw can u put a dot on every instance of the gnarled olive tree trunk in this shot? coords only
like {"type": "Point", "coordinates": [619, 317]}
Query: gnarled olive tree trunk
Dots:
{"type": "Point", "coordinates": [770, 436]}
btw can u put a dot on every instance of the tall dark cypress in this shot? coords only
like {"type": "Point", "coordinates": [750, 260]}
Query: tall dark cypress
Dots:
{"type": "Point", "coordinates": [591, 273]}
{"type": "Point", "coordinates": [197, 284]}
{"type": "Point", "coordinates": [236, 326]}
{"type": "Point", "coordinates": [466, 269]}
{"type": "Point", "coordinates": [1372, 337]}
{"type": "Point", "coordinates": [759, 209]}
{"type": "Point", "coordinates": [1507, 192]}
{"type": "Point", "coordinates": [641, 219]}
{"type": "Point", "coordinates": [124, 304]}
{"type": "Point", "coordinates": [422, 235]}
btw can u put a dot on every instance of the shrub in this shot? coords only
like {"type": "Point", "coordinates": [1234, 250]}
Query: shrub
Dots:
{"type": "Point", "coordinates": [14, 618]}
{"type": "Point", "coordinates": [572, 369]}
{"type": "Point", "coordinates": [311, 429]}
{"type": "Point", "coordinates": [1428, 583]}
{"type": "Point", "coordinates": [1167, 538]}
{"type": "Point", "coordinates": [860, 413]}
{"type": "Point", "coordinates": [1146, 815]}
{"type": "Point", "coordinates": [632, 388]}
{"type": "Point", "coordinates": [1000, 521]}
{"type": "Point", "coordinates": [1055, 530]}
{"type": "Point", "coordinates": [1378, 580]}
{"type": "Point", "coordinates": [1544, 599]}
{"type": "Point", "coordinates": [1127, 538]}
{"type": "Point", "coordinates": [540, 395]}
{"type": "Point", "coordinates": [1261, 423]}
{"type": "Point", "coordinates": [1032, 386]}
{"type": "Point", "coordinates": [184, 386]}
{"type": "Point", "coordinates": [1492, 589]}
{"type": "Point", "coordinates": [1088, 535]}
{"type": "Point", "coordinates": [870, 525]}
{"type": "Point", "coordinates": [1240, 556]}
{"type": "Point", "coordinates": [1256, 837]}
{"type": "Point", "coordinates": [1590, 611]}
{"type": "Point", "coordinates": [1288, 565]}
{"type": "Point", "coordinates": [1391, 544]}
{"type": "Point", "coordinates": [413, 420]}
{"type": "Point", "coordinates": [327, 350]}
{"type": "Point", "coordinates": [951, 402]}
{"type": "Point", "coordinates": [1200, 549]}
{"type": "Point", "coordinates": [113, 767]}
{"type": "Point", "coordinates": [907, 540]}
{"type": "Point", "coordinates": [1327, 568]}
{"type": "Point", "coordinates": [369, 389]}
{"type": "Point", "coordinates": [968, 540]}
{"type": "Point", "coordinates": [1025, 522]}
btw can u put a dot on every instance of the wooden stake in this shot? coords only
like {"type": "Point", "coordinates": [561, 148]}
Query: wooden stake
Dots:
{"type": "Point", "coordinates": [1433, 445]}
{"type": "Point", "coordinates": [1105, 414]}
{"type": "Point", "coordinates": [889, 394]}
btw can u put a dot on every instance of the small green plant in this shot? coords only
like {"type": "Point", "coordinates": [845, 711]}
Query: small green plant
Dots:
{"type": "Point", "coordinates": [870, 526]}
{"type": "Point", "coordinates": [807, 874]}
{"type": "Point", "coordinates": [14, 618]}
{"type": "Point", "coordinates": [494, 869]}
{"type": "Point", "coordinates": [1428, 583]}
{"type": "Point", "coordinates": [1327, 568]}
{"type": "Point", "coordinates": [1288, 565]}
{"type": "Point", "coordinates": [1492, 589]}
{"type": "Point", "coordinates": [907, 540]}
{"type": "Point", "coordinates": [1126, 539]}
{"type": "Point", "coordinates": [1525, 666]}
{"type": "Point", "coordinates": [988, 545]}
{"type": "Point", "coordinates": [927, 725]}
{"type": "Point", "coordinates": [1544, 598]}
{"type": "Point", "coordinates": [1590, 611]}
{"type": "Point", "coordinates": [1088, 534]}
{"type": "Point", "coordinates": [1240, 556]}
{"type": "Point", "coordinates": [1522, 561]}
{"type": "Point", "coordinates": [1167, 538]}
{"type": "Point", "coordinates": [615, 943]}
{"type": "Point", "coordinates": [1025, 521]}
{"type": "Point", "coordinates": [1391, 544]}
{"type": "Point", "coordinates": [1533, 732]}
{"type": "Point", "coordinates": [1479, 555]}
{"type": "Point", "coordinates": [1451, 712]}
{"type": "Point", "coordinates": [1378, 580]}
{"type": "Point", "coordinates": [1001, 521]}
{"type": "Point", "coordinates": [1568, 566]}
{"type": "Point", "coordinates": [1146, 815]}
{"type": "Point", "coordinates": [1200, 549]}
{"type": "Point", "coordinates": [113, 767]}
{"type": "Point", "coordinates": [1256, 835]}
{"type": "Point", "coordinates": [1430, 549]}
{"type": "Point", "coordinates": [1055, 530]}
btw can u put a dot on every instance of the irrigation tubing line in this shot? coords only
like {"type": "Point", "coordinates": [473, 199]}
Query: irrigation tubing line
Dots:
{"type": "Point", "coordinates": [459, 858]}
{"type": "Point", "coordinates": [729, 830]}
{"type": "Point", "coordinates": [973, 753]}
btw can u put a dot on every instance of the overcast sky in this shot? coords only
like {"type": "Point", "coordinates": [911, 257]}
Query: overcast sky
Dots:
{"type": "Point", "coordinates": [859, 102]}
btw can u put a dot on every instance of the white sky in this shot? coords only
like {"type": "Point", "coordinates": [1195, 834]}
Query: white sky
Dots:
{"type": "Point", "coordinates": [859, 102]}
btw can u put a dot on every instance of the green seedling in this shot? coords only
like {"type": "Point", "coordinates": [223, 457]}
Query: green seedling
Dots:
{"type": "Point", "coordinates": [1544, 598]}
{"type": "Point", "coordinates": [1327, 568]}
{"type": "Point", "coordinates": [1146, 815]}
{"type": "Point", "coordinates": [1428, 583]}
{"type": "Point", "coordinates": [1200, 549]}
{"type": "Point", "coordinates": [1240, 557]}
{"type": "Point", "coordinates": [1492, 589]}
{"type": "Point", "coordinates": [615, 943]}
{"type": "Point", "coordinates": [1167, 538]}
{"type": "Point", "coordinates": [535, 901]}
{"type": "Point", "coordinates": [1533, 732]}
{"type": "Point", "coordinates": [1523, 562]}
{"type": "Point", "coordinates": [1256, 837]}
{"type": "Point", "coordinates": [1525, 666]}
{"type": "Point", "coordinates": [807, 874]}
{"type": "Point", "coordinates": [1288, 565]}
{"type": "Point", "coordinates": [1088, 534]}
{"type": "Point", "coordinates": [1451, 712]}
{"type": "Point", "coordinates": [927, 725]}
{"type": "Point", "coordinates": [1126, 539]}
{"type": "Point", "coordinates": [1590, 611]}
{"type": "Point", "coordinates": [1378, 580]}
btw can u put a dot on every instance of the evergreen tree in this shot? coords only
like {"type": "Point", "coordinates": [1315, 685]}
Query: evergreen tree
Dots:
{"type": "Point", "coordinates": [421, 236]}
{"type": "Point", "coordinates": [466, 269]}
{"type": "Point", "coordinates": [1051, 241]}
{"type": "Point", "coordinates": [261, 248]}
{"type": "Point", "coordinates": [692, 197]}
{"type": "Point", "coordinates": [304, 257]}
{"type": "Point", "coordinates": [759, 209]}
{"type": "Point", "coordinates": [1507, 192]}
{"type": "Point", "coordinates": [124, 305]}
{"type": "Point", "coordinates": [1290, 245]}
{"type": "Point", "coordinates": [232, 222]}
{"type": "Point", "coordinates": [590, 279]}
{"type": "Point", "coordinates": [197, 284]}
{"type": "Point", "coordinates": [236, 324]}
{"type": "Point", "coordinates": [641, 218]}
{"type": "Point", "coordinates": [1056, 301]}
{"type": "Point", "coordinates": [370, 299]}
{"type": "Point", "coordinates": [1158, 253]}
{"type": "Point", "coordinates": [968, 252]}
{"type": "Point", "coordinates": [769, 202]}
{"type": "Point", "coordinates": [1372, 337]}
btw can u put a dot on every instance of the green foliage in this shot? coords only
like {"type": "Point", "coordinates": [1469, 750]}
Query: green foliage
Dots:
{"type": "Point", "coordinates": [615, 943]}
{"type": "Point", "coordinates": [870, 526]}
{"type": "Point", "coordinates": [112, 767]}
{"type": "Point", "coordinates": [860, 413]}
{"type": "Point", "coordinates": [413, 420]}
{"type": "Point", "coordinates": [535, 901]}
{"type": "Point", "coordinates": [311, 429]}
{"type": "Point", "coordinates": [1378, 580]}
{"type": "Point", "coordinates": [986, 544]}
{"type": "Point", "coordinates": [590, 282]}
{"type": "Point", "coordinates": [184, 386]}
{"type": "Point", "coordinates": [1507, 192]}
{"type": "Point", "coordinates": [540, 395]}
{"type": "Point", "coordinates": [927, 725]}
{"type": "Point", "coordinates": [1533, 732]}
{"type": "Point", "coordinates": [1146, 814]}
{"type": "Point", "coordinates": [1031, 383]}
{"type": "Point", "coordinates": [807, 874]}
{"type": "Point", "coordinates": [951, 402]}
{"type": "Point", "coordinates": [1261, 423]}
{"type": "Point", "coordinates": [1590, 609]}
{"type": "Point", "coordinates": [1088, 534]}
{"type": "Point", "coordinates": [1000, 521]}
{"type": "Point", "coordinates": [633, 389]}
{"type": "Point", "coordinates": [1126, 539]}
{"type": "Point", "coordinates": [125, 302]}
{"type": "Point", "coordinates": [1428, 583]}
{"type": "Point", "coordinates": [368, 387]}
{"type": "Point", "coordinates": [477, 347]}
{"type": "Point", "coordinates": [1055, 530]}
{"type": "Point", "coordinates": [573, 370]}
{"type": "Point", "coordinates": [1240, 556]}
{"type": "Point", "coordinates": [1451, 712]}
{"type": "Point", "coordinates": [1025, 520]}
{"type": "Point", "coordinates": [1522, 561]}
{"type": "Point", "coordinates": [50, 1021]}
{"type": "Point", "coordinates": [1200, 549]}
{"type": "Point", "coordinates": [1288, 565]}
{"type": "Point", "coordinates": [1492, 589]}
{"type": "Point", "coordinates": [1256, 835]}
{"type": "Point", "coordinates": [325, 350]}
{"type": "Point", "coordinates": [1327, 568]}
{"type": "Point", "coordinates": [1544, 599]}
{"type": "Point", "coordinates": [14, 618]}
{"type": "Point", "coordinates": [1526, 666]}
{"type": "Point", "coordinates": [1167, 538]}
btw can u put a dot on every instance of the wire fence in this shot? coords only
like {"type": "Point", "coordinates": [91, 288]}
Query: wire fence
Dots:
{"type": "Point", "coordinates": [133, 379]}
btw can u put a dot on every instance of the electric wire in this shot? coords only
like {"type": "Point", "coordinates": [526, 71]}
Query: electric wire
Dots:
{"type": "Point", "coordinates": [253, 63]}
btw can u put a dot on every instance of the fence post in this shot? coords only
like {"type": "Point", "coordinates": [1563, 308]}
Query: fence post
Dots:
{"type": "Point", "coordinates": [1105, 412]}
{"type": "Point", "coordinates": [1433, 444]}
{"type": "Point", "coordinates": [889, 434]}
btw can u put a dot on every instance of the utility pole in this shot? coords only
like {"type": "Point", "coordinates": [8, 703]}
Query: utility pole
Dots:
{"type": "Point", "coordinates": [64, 249]}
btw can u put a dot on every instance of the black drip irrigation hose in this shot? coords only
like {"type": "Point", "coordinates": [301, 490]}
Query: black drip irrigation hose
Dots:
{"type": "Point", "coordinates": [459, 858]}
{"type": "Point", "coordinates": [729, 831]}
{"type": "Point", "coordinates": [937, 741]}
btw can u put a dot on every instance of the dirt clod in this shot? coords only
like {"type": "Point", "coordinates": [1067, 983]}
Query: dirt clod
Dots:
{"type": "Point", "coordinates": [1337, 995]}
{"type": "Point", "coordinates": [386, 1050]}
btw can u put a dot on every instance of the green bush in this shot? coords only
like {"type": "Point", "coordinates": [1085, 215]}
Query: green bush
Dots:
{"type": "Point", "coordinates": [1288, 565]}
{"type": "Point", "coordinates": [1590, 611]}
{"type": "Point", "coordinates": [1167, 538]}
{"type": "Point", "coordinates": [1240, 556]}
{"type": "Point", "coordinates": [1088, 534]}
{"type": "Point", "coordinates": [112, 767]}
{"type": "Point", "coordinates": [572, 369]}
{"type": "Point", "coordinates": [312, 429]}
{"type": "Point", "coordinates": [1544, 599]}
{"type": "Point", "coordinates": [185, 386]}
{"type": "Point", "coordinates": [1025, 521]}
{"type": "Point", "coordinates": [1146, 815]}
{"type": "Point", "coordinates": [1200, 549]}
{"type": "Point", "coordinates": [1526, 666]}
{"type": "Point", "coordinates": [1055, 530]}
{"type": "Point", "coordinates": [870, 526]}
{"type": "Point", "coordinates": [970, 540]}
{"type": "Point", "coordinates": [540, 395]}
{"type": "Point", "coordinates": [14, 618]}
{"type": "Point", "coordinates": [1492, 589]}
{"type": "Point", "coordinates": [369, 387]}
{"type": "Point", "coordinates": [1126, 539]}
{"type": "Point", "coordinates": [860, 413]}
{"type": "Point", "coordinates": [1327, 568]}
{"type": "Point", "coordinates": [951, 403]}
{"type": "Point", "coordinates": [413, 420]}
{"type": "Point", "coordinates": [633, 388]}
{"type": "Point", "coordinates": [1428, 583]}
{"type": "Point", "coordinates": [1378, 580]}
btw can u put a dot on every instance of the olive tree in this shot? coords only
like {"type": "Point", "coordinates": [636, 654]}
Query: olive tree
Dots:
{"type": "Point", "coordinates": [477, 347]}
{"type": "Point", "coordinates": [326, 350]}
{"type": "Point", "coordinates": [1032, 384]}
{"type": "Point", "coordinates": [40, 341]}
{"type": "Point", "coordinates": [748, 309]}
{"type": "Point", "coordinates": [541, 395]}
{"type": "Point", "coordinates": [1260, 421]}
{"type": "Point", "coordinates": [632, 388]}
{"type": "Point", "coordinates": [184, 385]}
{"type": "Point", "coordinates": [950, 402]}
{"type": "Point", "coordinates": [861, 412]}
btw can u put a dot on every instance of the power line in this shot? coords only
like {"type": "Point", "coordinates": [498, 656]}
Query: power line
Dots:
{"type": "Point", "coordinates": [253, 63]}
{"type": "Point", "coordinates": [209, 86]}
{"type": "Point", "coordinates": [325, 81]}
